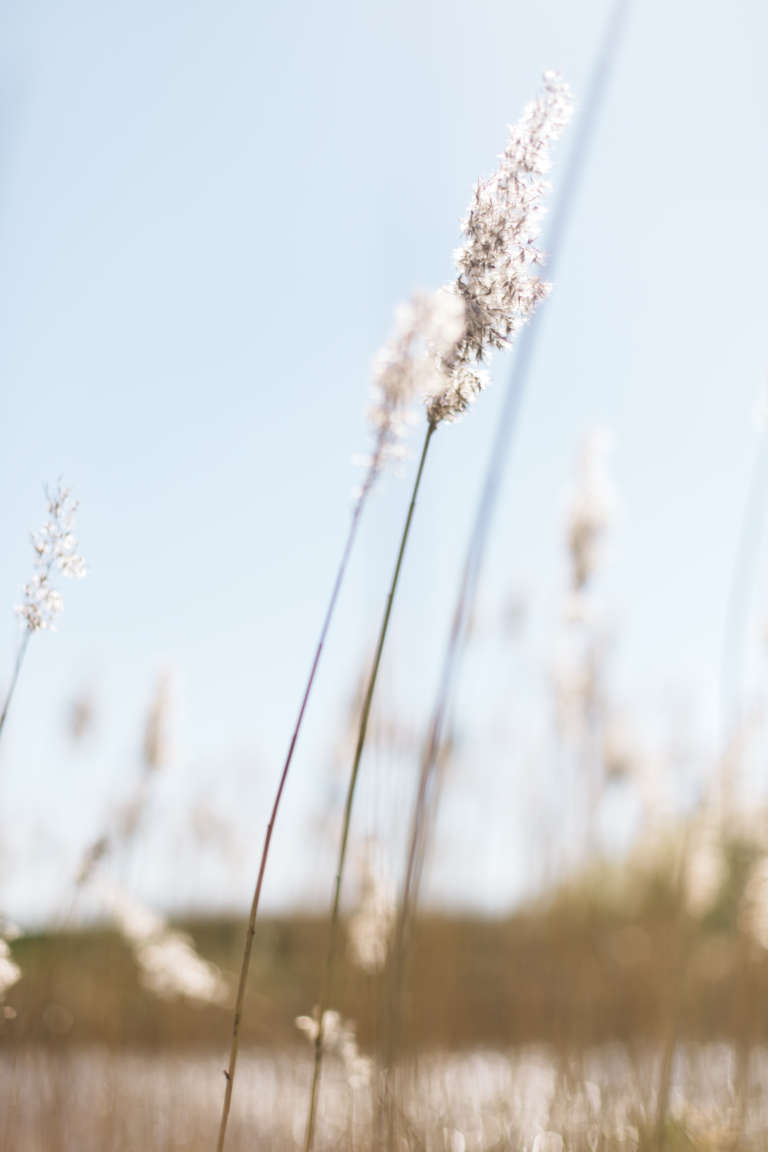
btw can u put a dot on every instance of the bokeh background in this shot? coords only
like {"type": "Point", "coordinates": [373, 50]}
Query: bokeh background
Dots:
{"type": "Point", "coordinates": [208, 213]}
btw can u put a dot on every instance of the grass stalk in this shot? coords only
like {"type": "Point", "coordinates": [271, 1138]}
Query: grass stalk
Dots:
{"type": "Point", "coordinates": [477, 544]}
{"type": "Point", "coordinates": [229, 1074]}
{"type": "Point", "coordinates": [362, 731]}
{"type": "Point", "coordinates": [15, 677]}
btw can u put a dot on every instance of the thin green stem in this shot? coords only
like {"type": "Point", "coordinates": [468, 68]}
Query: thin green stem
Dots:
{"type": "Point", "coordinates": [478, 540]}
{"type": "Point", "coordinates": [229, 1074]}
{"type": "Point", "coordinates": [364, 717]}
{"type": "Point", "coordinates": [15, 677]}
{"type": "Point", "coordinates": [414, 860]}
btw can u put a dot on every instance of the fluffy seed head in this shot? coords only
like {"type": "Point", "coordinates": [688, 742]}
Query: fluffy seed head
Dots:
{"type": "Point", "coordinates": [156, 740]}
{"type": "Point", "coordinates": [56, 550]}
{"type": "Point", "coordinates": [10, 972]}
{"type": "Point", "coordinates": [370, 926]}
{"type": "Point", "coordinates": [497, 263]}
{"type": "Point", "coordinates": [167, 960]}
{"type": "Point", "coordinates": [427, 331]}
{"type": "Point", "coordinates": [591, 507]}
{"type": "Point", "coordinates": [339, 1040]}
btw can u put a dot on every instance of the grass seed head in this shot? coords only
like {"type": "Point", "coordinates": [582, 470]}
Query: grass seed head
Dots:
{"type": "Point", "coordinates": [497, 264]}
{"type": "Point", "coordinates": [56, 550]}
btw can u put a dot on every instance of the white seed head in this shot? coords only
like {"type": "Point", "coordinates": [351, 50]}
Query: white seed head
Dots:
{"type": "Point", "coordinates": [370, 926]}
{"type": "Point", "coordinates": [56, 550]}
{"type": "Point", "coordinates": [10, 973]}
{"type": "Point", "coordinates": [409, 366]}
{"type": "Point", "coordinates": [167, 960]}
{"type": "Point", "coordinates": [338, 1040]}
{"type": "Point", "coordinates": [497, 263]}
{"type": "Point", "coordinates": [592, 507]}
{"type": "Point", "coordinates": [156, 736]}
{"type": "Point", "coordinates": [458, 388]}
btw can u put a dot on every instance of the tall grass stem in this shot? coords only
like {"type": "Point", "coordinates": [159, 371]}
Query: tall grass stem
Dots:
{"type": "Point", "coordinates": [248, 946]}
{"type": "Point", "coordinates": [362, 731]}
{"type": "Point", "coordinates": [478, 540]}
{"type": "Point", "coordinates": [15, 676]}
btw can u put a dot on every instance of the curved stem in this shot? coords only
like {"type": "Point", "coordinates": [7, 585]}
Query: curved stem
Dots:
{"type": "Point", "coordinates": [364, 716]}
{"type": "Point", "coordinates": [478, 540]}
{"type": "Point", "coordinates": [247, 948]}
{"type": "Point", "coordinates": [15, 677]}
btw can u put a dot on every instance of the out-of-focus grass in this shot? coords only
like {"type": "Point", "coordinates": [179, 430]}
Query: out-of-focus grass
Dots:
{"type": "Point", "coordinates": [556, 1018]}
{"type": "Point", "coordinates": [579, 972]}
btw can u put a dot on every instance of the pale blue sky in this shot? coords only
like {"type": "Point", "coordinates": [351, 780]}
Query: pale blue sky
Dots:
{"type": "Point", "coordinates": [207, 215]}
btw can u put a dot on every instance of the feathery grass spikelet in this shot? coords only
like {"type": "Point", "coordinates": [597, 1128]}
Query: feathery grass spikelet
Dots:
{"type": "Point", "coordinates": [338, 1040]}
{"type": "Point", "coordinates": [592, 507]}
{"type": "Point", "coordinates": [370, 927]}
{"type": "Point", "coordinates": [56, 550]}
{"type": "Point", "coordinates": [427, 331]}
{"type": "Point", "coordinates": [167, 960]}
{"type": "Point", "coordinates": [156, 743]}
{"type": "Point", "coordinates": [10, 973]}
{"type": "Point", "coordinates": [497, 280]}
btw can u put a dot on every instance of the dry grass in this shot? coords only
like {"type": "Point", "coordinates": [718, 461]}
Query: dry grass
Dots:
{"type": "Point", "coordinates": [93, 1099]}
{"type": "Point", "coordinates": [580, 974]}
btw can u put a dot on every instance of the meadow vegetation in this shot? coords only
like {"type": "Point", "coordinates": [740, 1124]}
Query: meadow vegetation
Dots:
{"type": "Point", "coordinates": [621, 1005]}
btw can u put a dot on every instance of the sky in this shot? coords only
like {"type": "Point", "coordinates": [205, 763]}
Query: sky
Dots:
{"type": "Point", "coordinates": [208, 214]}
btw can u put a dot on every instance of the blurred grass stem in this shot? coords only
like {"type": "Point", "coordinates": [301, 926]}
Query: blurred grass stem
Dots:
{"type": "Point", "coordinates": [478, 541]}
{"type": "Point", "coordinates": [15, 677]}
{"type": "Point", "coordinates": [364, 717]}
{"type": "Point", "coordinates": [248, 946]}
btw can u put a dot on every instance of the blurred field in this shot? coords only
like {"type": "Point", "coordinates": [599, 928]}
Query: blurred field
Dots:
{"type": "Point", "coordinates": [92, 1099]}
{"type": "Point", "coordinates": [557, 1018]}
{"type": "Point", "coordinates": [592, 761]}
{"type": "Point", "coordinates": [581, 971]}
